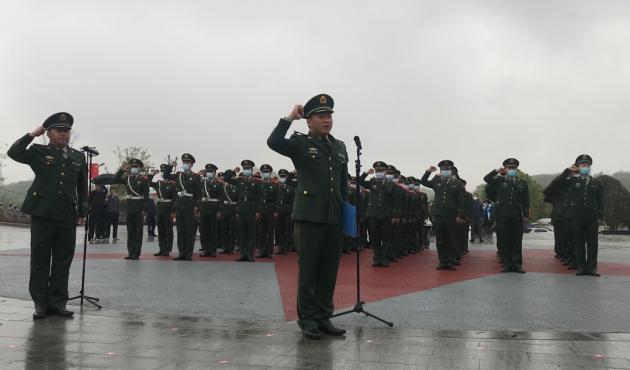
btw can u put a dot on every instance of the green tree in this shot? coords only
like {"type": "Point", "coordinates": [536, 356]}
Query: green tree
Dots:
{"type": "Point", "coordinates": [616, 199]}
{"type": "Point", "coordinates": [125, 154]}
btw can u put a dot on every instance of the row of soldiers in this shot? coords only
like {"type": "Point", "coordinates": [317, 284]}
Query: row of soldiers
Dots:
{"type": "Point", "coordinates": [222, 205]}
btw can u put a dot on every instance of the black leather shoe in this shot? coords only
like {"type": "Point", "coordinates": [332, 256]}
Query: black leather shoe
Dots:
{"type": "Point", "coordinates": [581, 273]}
{"type": "Point", "coordinates": [207, 255]}
{"type": "Point", "coordinates": [61, 312]}
{"type": "Point", "coordinates": [134, 258]}
{"type": "Point", "coordinates": [251, 259]}
{"type": "Point", "coordinates": [312, 333]}
{"type": "Point", "coordinates": [505, 269]}
{"type": "Point", "coordinates": [595, 273]}
{"type": "Point", "coordinates": [242, 259]}
{"type": "Point", "coordinates": [158, 254]}
{"type": "Point", "coordinates": [40, 313]}
{"type": "Point", "coordinates": [519, 270]}
{"type": "Point", "coordinates": [327, 327]}
{"type": "Point", "coordinates": [128, 257]}
{"type": "Point", "coordinates": [179, 258]}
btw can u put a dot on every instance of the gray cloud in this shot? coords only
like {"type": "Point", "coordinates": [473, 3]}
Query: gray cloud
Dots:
{"type": "Point", "coordinates": [419, 81]}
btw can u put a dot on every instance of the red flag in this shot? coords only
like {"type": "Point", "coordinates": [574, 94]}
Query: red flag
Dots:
{"type": "Point", "coordinates": [94, 171]}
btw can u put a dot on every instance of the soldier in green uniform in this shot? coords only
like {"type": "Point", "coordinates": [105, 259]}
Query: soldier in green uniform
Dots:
{"type": "Point", "coordinates": [186, 206]}
{"type": "Point", "coordinates": [583, 209]}
{"type": "Point", "coordinates": [249, 192]}
{"type": "Point", "coordinates": [398, 210]}
{"type": "Point", "coordinates": [210, 213]}
{"type": "Point", "coordinates": [267, 205]}
{"type": "Point", "coordinates": [165, 190]}
{"type": "Point", "coordinates": [229, 225]}
{"type": "Point", "coordinates": [56, 201]}
{"type": "Point", "coordinates": [137, 186]}
{"type": "Point", "coordinates": [322, 164]}
{"type": "Point", "coordinates": [283, 210]}
{"type": "Point", "coordinates": [379, 212]}
{"type": "Point", "coordinates": [512, 212]}
{"type": "Point", "coordinates": [447, 211]}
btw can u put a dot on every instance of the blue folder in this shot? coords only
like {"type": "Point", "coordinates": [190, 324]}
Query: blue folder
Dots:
{"type": "Point", "coordinates": [349, 219]}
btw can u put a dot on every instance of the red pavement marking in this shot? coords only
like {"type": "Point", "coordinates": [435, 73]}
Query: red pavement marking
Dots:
{"type": "Point", "coordinates": [414, 273]}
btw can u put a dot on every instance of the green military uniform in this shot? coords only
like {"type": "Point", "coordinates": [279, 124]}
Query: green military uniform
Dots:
{"type": "Point", "coordinates": [447, 206]}
{"type": "Point", "coordinates": [322, 164]}
{"type": "Point", "coordinates": [165, 190]}
{"type": "Point", "coordinates": [379, 213]}
{"type": "Point", "coordinates": [583, 207]}
{"type": "Point", "coordinates": [248, 190]}
{"type": "Point", "coordinates": [268, 198]}
{"type": "Point", "coordinates": [210, 211]}
{"type": "Point", "coordinates": [187, 200]}
{"type": "Point", "coordinates": [57, 197]}
{"type": "Point", "coordinates": [229, 225]}
{"type": "Point", "coordinates": [137, 196]}
{"type": "Point", "coordinates": [512, 207]}
{"type": "Point", "coordinates": [284, 208]}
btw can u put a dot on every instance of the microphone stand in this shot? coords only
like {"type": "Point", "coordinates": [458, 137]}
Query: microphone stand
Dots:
{"type": "Point", "coordinates": [358, 306]}
{"type": "Point", "coordinates": [91, 152]}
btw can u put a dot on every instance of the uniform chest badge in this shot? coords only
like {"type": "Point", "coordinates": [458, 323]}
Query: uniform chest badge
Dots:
{"type": "Point", "coordinates": [50, 157]}
{"type": "Point", "coordinates": [577, 184]}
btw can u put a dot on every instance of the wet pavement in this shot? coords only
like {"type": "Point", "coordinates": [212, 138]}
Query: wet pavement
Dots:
{"type": "Point", "coordinates": [217, 313]}
{"type": "Point", "coordinates": [118, 340]}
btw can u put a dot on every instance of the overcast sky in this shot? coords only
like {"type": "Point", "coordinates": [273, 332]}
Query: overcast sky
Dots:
{"type": "Point", "coordinates": [419, 81]}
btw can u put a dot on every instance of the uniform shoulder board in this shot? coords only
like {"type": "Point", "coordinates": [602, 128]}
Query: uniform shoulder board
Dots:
{"type": "Point", "coordinates": [298, 134]}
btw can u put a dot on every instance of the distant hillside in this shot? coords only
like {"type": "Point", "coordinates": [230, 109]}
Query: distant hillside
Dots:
{"type": "Point", "coordinates": [14, 193]}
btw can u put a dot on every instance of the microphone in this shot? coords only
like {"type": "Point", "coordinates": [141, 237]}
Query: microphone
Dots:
{"type": "Point", "coordinates": [90, 149]}
{"type": "Point", "coordinates": [357, 141]}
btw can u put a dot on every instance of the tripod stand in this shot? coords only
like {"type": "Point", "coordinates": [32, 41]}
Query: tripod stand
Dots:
{"type": "Point", "coordinates": [358, 306]}
{"type": "Point", "coordinates": [91, 152]}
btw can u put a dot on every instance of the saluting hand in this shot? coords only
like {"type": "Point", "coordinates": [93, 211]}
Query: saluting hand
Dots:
{"type": "Point", "coordinates": [296, 113]}
{"type": "Point", "coordinates": [370, 171]}
{"type": "Point", "coordinates": [432, 169]}
{"type": "Point", "coordinates": [573, 168]}
{"type": "Point", "coordinates": [502, 170]}
{"type": "Point", "coordinates": [81, 221]}
{"type": "Point", "coordinates": [38, 131]}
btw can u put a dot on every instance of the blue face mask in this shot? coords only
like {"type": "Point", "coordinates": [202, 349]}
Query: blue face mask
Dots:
{"type": "Point", "coordinates": [210, 175]}
{"type": "Point", "coordinates": [389, 177]}
{"type": "Point", "coordinates": [186, 167]}
{"type": "Point", "coordinates": [585, 171]}
{"type": "Point", "coordinates": [445, 173]}
{"type": "Point", "coordinates": [266, 175]}
{"type": "Point", "coordinates": [512, 173]}
{"type": "Point", "coordinates": [247, 172]}
{"type": "Point", "coordinates": [379, 175]}
{"type": "Point", "coordinates": [135, 170]}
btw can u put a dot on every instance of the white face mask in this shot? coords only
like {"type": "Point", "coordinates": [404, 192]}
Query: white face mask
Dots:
{"type": "Point", "coordinates": [379, 175]}
{"type": "Point", "coordinates": [283, 180]}
{"type": "Point", "coordinates": [389, 177]}
{"type": "Point", "coordinates": [135, 170]}
{"type": "Point", "coordinates": [210, 175]}
{"type": "Point", "coordinates": [266, 175]}
{"type": "Point", "coordinates": [247, 171]}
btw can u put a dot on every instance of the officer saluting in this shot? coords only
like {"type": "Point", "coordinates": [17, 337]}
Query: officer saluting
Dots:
{"type": "Point", "coordinates": [322, 163]}
{"type": "Point", "coordinates": [188, 195]}
{"type": "Point", "coordinates": [137, 197]}
{"type": "Point", "coordinates": [55, 201]}
{"type": "Point", "coordinates": [165, 190]}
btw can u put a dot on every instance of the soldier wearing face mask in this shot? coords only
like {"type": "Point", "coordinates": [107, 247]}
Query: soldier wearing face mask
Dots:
{"type": "Point", "coordinates": [137, 197]}
{"type": "Point", "coordinates": [165, 190]}
{"type": "Point", "coordinates": [583, 209]}
{"type": "Point", "coordinates": [210, 213]}
{"type": "Point", "coordinates": [186, 207]}
{"type": "Point", "coordinates": [249, 192]}
{"type": "Point", "coordinates": [379, 212]}
{"type": "Point", "coordinates": [512, 212]}
{"type": "Point", "coordinates": [447, 209]}
{"type": "Point", "coordinates": [268, 200]}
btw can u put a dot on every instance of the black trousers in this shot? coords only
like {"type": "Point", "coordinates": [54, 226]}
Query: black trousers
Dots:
{"type": "Point", "coordinates": [186, 231]}
{"type": "Point", "coordinates": [52, 250]}
{"type": "Point", "coordinates": [475, 229]}
{"type": "Point", "coordinates": [510, 241]}
{"type": "Point", "coordinates": [319, 246]}
{"type": "Point", "coordinates": [283, 232]}
{"type": "Point", "coordinates": [112, 224]}
{"type": "Point", "coordinates": [265, 233]}
{"type": "Point", "coordinates": [380, 238]}
{"type": "Point", "coordinates": [586, 244]}
{"type": "Point", "coordinates": [165, 227]}
{"type": "Point", "coordinates": [97, 226]}
{"type": "Point", "coordinates": [246, 233]}
{"type": "Point", "coordinates": [135, 225]}
{"type": "Point", "coordinates": [209, 228]}
{"type": "Point", "coordinates": [228, 231]}
{"type": "Point", "coordinates": [445, 238]}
